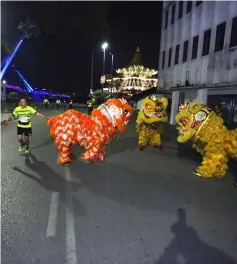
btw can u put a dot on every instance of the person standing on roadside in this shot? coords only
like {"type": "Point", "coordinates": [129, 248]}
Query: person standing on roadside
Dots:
{"type": "Point", "coordinates": [58, 103]}
{"type": "Point", "coordinates": [24, 127]}
{"type": "Point", "coordinates": [90, 107]}
{"type": "Point", "coordinates": [70, 104]}
{"type": "Point", "coordinates": [46, 103]}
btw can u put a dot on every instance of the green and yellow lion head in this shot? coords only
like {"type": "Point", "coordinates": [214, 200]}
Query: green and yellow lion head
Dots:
{"type": "Point", "coordinates": [153, 109]}
{"type": "Point", "coordinates": [190, 120]}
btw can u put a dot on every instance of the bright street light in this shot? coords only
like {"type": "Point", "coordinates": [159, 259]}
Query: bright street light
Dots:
{"type": "Point", "coordinates": [4, 82]}
{"type": "Point", "coordinates": [104, 45]}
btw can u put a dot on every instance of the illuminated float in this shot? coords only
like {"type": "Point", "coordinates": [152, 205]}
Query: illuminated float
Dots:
{"type": "Point", "coordinates": [133, 78]}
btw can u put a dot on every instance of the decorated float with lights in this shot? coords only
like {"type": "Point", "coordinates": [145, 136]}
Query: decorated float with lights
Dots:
{"type": "Point", "coordinates": [133, 79]}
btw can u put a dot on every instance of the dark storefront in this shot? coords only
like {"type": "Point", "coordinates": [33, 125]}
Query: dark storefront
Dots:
{"type": "Point", "coordinates": [228, 105]}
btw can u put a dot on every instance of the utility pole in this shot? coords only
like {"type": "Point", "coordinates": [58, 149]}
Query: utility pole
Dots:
{"type": "Point", "coordinates": [112, 70]}
{"type": "Point", "coordinates": [92, 73]}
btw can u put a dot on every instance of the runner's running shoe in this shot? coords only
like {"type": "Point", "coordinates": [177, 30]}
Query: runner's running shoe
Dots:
{"type": "Point", "coordinates": [20, 148]}
{"type": "Point", "coordinates": [27, 151]}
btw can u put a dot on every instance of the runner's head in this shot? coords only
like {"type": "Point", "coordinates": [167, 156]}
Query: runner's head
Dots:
{"type": "Point", "coordinates": [22, 102]}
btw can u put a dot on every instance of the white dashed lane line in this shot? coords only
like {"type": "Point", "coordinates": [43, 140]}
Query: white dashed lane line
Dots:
{"type": "Point", "coordinates": [53, 215]}
{"type": "Point", "coordinates": [71, 257]}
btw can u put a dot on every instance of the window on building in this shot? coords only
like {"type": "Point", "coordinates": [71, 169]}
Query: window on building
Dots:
{"type": "Point", "coordinates": [2, 89]}
{"type": "Point", "coordinates": [163, 60]}
{"type": "Point", "coordinates": [176, 60]}
{"type": "Point", "coordinates": [195, 47]}
{"type": "Point", "coordinates": [206, 42]}
{"type": "Point", "coordinates": [233, 38]}
{"type": "Point", "coordinates": [189, 6]}
{"type": "Point", "coordinates": [181, 4]}
{"type": "Point", "coordinates": [173, 14]}
{"type": "Point", "coordinates": [166, 18]}
{"type": "Point", "coordinates": [220, 37]}
{"type": "Point", "coordinates": [198, 3]}
{"type": "Point", "coordinates": [185, 51]}
{"type": "Point", "coordinates": [170, 57]}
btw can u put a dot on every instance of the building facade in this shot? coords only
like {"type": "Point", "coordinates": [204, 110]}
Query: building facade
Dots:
{"type": "Point", "coordinates": [198, 54]}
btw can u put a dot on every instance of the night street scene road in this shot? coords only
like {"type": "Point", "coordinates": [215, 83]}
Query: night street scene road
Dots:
{"type": "Point", "coordinates": [119, 132]}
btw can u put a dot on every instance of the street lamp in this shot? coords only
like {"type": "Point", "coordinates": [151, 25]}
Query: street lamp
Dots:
{"type": "Point", "coordinates": [112, 69]}
{"type": "Point", "coordinates": [4, 82]}
{"type": "Point", "coordinates": [92, 73]}
{"type": "Point", "coordinates": [104, 47]}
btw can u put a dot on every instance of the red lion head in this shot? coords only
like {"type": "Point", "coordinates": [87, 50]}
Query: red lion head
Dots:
{"type": "Point", "coordinates": [119, 111]}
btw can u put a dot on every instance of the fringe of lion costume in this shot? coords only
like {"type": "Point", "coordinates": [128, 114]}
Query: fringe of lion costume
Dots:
{"type": "Point", "coordinates": [91, 132]}
{"type": "Point", "coordinates": [150, 121]}
{"type": "Point", "coordinates": [211, 138]}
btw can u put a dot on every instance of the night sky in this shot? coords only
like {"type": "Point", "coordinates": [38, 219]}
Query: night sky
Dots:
{"type": "Point", "coordinates": [59, 59]}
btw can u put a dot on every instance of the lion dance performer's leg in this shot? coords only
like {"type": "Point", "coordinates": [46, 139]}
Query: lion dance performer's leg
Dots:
{"type": "Point", "coordinates": [94, 140]}
{"type": "Point", "coordinates": [143, 137]}
{"type": "Point", "coordinates": [62, 130]}
{"type": "Point", "coordinates": [155, 139]}
{"type": "Point", "coordinates": [214, 162]}
{"type": "Point", "coordinates": [213, 165]}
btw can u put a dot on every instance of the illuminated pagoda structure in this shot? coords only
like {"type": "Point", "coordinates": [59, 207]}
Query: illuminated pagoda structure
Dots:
{"type": "Point", "coordinates": [134, 78]}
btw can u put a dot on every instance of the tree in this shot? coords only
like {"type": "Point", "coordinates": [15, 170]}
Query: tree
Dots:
{"type": "Point", "coordinates": [29, 30]}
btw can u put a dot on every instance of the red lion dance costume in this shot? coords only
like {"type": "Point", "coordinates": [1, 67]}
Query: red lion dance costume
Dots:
{"type": "Point", "coordinates": [91, 132]}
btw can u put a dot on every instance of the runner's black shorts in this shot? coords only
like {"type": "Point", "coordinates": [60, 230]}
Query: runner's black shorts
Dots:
{"type": "Point", "coordinates": [26, 131]}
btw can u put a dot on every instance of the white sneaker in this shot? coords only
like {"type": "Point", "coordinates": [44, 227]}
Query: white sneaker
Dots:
{"type": "Point", "coordinates": [197, 174]}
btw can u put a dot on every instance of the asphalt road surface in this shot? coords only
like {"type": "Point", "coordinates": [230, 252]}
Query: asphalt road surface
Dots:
{"type": "Point", "coordinates": [137, 207]}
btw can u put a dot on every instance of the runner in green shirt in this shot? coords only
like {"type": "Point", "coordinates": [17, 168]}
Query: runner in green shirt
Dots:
{"type": "Point", "coordinates": [24, 127]}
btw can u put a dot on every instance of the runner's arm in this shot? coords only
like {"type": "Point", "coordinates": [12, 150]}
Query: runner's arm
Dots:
{"type": "Point", "coordinates": [33, 111]}
{"type": "Point", "coordinates": [11, 117]}
{"type": "Point", "coordinates": [40, 115]}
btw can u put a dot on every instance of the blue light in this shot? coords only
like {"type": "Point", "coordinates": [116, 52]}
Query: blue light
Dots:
{"type": "Point", "coordinates": [10, 58]}
{"type": "Point", "coordinates": [36, 92]}
{"type": "Point", "coordinates": [29, 88]}
{"type": "Point", "coordinates": [5, 60]}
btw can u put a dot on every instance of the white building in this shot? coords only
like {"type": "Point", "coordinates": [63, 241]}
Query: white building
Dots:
{"type": "Point", "coordinates": [198, 52]}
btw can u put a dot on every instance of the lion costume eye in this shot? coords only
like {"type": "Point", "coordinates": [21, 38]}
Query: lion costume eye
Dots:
{"type": "Point", "coordinates": [148, 107]}
{"type": "Point", "coordinates": [125, 112]}
{"type": "Point", "coordinates": [160, 108]}
{"type": "Point", "coordinates": [200, 116]}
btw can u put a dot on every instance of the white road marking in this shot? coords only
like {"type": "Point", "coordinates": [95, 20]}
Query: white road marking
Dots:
{"type": "Point", "coordinates": [53, 213]}
{"type": "Point", "coordinates": [71, 256]}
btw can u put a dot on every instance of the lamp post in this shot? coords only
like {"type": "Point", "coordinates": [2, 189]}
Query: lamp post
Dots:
{"type": "Point", "coordinates": [104, 46]}
{"type": "Point", "coordinates": [3, 88]}
{"type": "Point", "coordinates": [112, 70]}
{"type": "Point", "coordinates": [92, 73]}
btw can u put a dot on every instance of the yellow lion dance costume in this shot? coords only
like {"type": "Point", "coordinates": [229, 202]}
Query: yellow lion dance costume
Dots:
{"type": "Point", "coordinates": [211, 138]}
{"type": "Point", "coordinates": [150, 121]}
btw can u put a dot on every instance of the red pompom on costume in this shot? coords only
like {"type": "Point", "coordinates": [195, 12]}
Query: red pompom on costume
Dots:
{"type": "Point", "coordinates": [91, 132]}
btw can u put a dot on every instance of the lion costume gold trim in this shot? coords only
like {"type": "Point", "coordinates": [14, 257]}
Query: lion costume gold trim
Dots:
{"type": "Point", "coordinates": [211, 138]}
{"type": "Point", "coordinates": [150, 121]}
